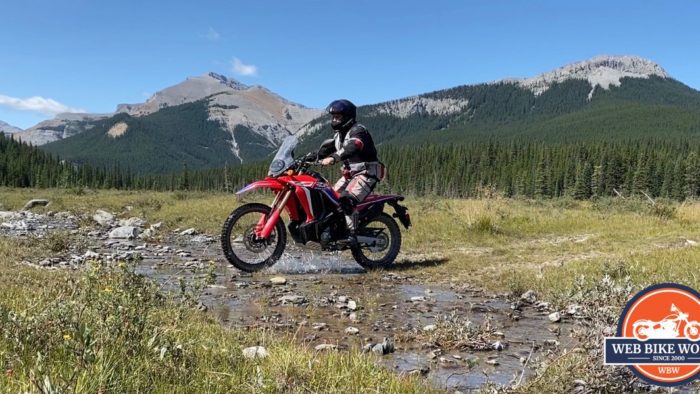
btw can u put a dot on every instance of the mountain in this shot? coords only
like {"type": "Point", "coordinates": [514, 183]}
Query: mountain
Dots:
{"type": "Point", "coordinates": [8, 129]}
{"type": "Point", "coordinates": [205, 121]}
{"type": "Point", "coordinates": [231, 103]}
{"type": "Point", "coordinates": [611, 97]}
{"type": "Point", "coordinates": [62, 126]}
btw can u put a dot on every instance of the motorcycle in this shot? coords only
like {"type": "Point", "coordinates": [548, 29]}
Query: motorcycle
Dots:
{"type": "Point", "coordinates": [254, 235]}
{"type": "Point", "coordinates": [668, 327]}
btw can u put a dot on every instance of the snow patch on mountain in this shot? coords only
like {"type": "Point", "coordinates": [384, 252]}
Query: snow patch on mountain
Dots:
{"type": "Point", "coordinates": [600, 71]}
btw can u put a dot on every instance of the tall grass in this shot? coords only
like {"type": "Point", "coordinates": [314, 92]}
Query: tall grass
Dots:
{"type": "Point", "coordinates": [108, 329]}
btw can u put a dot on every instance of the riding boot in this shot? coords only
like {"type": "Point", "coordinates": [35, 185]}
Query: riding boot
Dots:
{"type": "Point", "coordinates": [351, 221]}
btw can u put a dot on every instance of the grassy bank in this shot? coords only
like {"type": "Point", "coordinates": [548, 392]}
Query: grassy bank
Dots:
{"type": "Point", "coordinates": [108, 330]}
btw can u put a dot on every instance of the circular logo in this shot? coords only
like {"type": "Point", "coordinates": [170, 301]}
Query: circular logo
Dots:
{"type": "Point", "coordinates": [662, 323]}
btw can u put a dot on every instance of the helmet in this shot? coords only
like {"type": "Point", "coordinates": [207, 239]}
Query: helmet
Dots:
{"type": "Point", "coordinates": [343, 114]}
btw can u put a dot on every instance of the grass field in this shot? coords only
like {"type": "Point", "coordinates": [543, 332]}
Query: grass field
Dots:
{"type": "Point", "coordinates": [102, 329]}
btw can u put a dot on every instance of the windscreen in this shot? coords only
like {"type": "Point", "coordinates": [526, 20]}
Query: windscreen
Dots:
{"type": "Point", "coordinates": [283, 159]}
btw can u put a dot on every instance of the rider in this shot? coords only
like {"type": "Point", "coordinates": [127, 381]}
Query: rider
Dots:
{"type": "Point", "coordinates": [353, 146]}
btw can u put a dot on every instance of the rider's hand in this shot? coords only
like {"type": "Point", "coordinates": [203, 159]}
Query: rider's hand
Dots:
{"type": "Point", "coordinates": [309, 157]}
{"type": "Point", "coordinates": [327, 161]}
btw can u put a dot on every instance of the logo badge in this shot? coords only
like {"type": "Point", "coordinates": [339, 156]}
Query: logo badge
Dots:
{"type": "Point", "coordinates": [658, 335]}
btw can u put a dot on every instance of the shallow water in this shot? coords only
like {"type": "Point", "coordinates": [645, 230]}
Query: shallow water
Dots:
{"type": "Point", "coordinates": [384, 309]}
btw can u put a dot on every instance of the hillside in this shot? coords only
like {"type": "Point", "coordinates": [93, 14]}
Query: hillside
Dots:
{"type": "Point", "coordinates": [638, 108]}
{"type": "Point", "coordinates": [161, 142]}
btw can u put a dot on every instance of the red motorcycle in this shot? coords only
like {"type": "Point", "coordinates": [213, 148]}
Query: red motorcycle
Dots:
{"type": "Point", "coordinates": [254, 235]}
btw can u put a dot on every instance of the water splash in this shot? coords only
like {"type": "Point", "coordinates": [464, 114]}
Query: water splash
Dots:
{"type": "Point", "coordinates": [299, 261]}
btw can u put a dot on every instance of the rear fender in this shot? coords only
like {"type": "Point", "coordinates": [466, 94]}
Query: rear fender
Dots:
{"type": "Point", "coordinates": [401, 213]}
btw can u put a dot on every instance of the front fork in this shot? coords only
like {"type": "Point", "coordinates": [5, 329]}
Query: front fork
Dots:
{"type": "Point", "coordinates": [266, 223]}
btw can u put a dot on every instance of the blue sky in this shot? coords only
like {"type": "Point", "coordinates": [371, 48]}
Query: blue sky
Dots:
{"type": "Point", "coordinates": [92, 55]}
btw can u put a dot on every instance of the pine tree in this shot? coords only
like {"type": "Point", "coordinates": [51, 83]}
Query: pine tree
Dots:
{"type": "Point", "coordinates": [582, 188]}
{"type": "Point", "coordinates": [692, 178]}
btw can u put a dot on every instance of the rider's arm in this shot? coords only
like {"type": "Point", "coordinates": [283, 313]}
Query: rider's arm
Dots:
{"type": "Point", "coordinates": [327, 147]}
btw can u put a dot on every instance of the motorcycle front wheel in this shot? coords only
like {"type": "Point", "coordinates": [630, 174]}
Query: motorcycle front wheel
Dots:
{"type": "Point", "coordinates": [240, 245]}
{"type": "Point", "coordinates": [383, 251]}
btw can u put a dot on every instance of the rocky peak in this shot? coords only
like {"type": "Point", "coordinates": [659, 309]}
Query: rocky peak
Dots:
{"type": "Point", "coordinates": [8, 128]}
{"type": "Point", "coordinates": [600, 71]}
{"type": "Point", "coordinates": [230, 82]}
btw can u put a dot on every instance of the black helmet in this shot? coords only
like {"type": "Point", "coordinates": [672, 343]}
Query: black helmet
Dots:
{"type": "Point", "coordinates": [347, 112]}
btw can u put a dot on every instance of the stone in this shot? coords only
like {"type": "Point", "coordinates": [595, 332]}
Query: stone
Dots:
{"type": "Point", "coordinates": [325, 347]}
{"type": "Point", "coordinates": [126, 232]}
{"type": "Point", "coordinates": [422, 371]}
{"type": "Point", "coordinates": [352, 305]}
{"type": "Point", "coordinates": [430, 328]}
{"type": "Point", "coordinates": [90, 255]}
{"type": "Point", "coordinates": [133, 221]}
{"type": "Point", "coordinates": [386, 347]}
{"type": "Point", "coordinates": [255, 352]}
{"type": "Point", "coordinates": [292, 299]}
{"type": "Point", "coordinates": [554, 317]}
{"type": "Point", "coordinates": [529, 296]}
{"type": "Point", "coordinates": [498, 345]}
{"type": "Point", "coordinates": [417, 299]}
{"type": "Point", "coordinates": [147, 233]}
{"type": "Point", "coordinates": [103, 218]}
{"type": "Point", "coordinates": [352, 330]}
{"type": "Point", "coordinates": [434, 353]}
{"type": "Point", "coordinates": [573, 309]}
{"type": "Point", "coordinates": [189, 231]}
{"type": "Point", "coordinates": [34, 202]}
{"type": "Point", "coordinates": [278, 280]}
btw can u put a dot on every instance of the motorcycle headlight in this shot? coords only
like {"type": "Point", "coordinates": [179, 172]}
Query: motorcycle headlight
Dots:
{"type": "Point", "coordinates": [276, 166]}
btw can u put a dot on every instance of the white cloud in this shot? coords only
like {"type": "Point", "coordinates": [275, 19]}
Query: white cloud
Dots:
{"type": "Point", "coordinates": [212, 35]}
{"type": "Point", "coordinates": [239, 68]}
{"type": "Point", "coordinates": [38, 104]}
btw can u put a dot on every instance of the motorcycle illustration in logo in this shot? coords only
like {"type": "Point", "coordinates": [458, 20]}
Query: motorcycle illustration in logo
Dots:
{"type": "Point", "coordinates": [660, 348]}
{"type": "Point", "coordinates": [668, 327]}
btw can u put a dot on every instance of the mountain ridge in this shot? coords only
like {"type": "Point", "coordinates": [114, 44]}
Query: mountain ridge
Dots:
{"type": "Point", "coordinates": [615, 92]}
{"type": "Point", "coordinates": [8, 128]}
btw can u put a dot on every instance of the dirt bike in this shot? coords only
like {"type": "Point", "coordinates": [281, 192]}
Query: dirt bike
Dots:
{"type": "Point", "coordinates": [254, 235]}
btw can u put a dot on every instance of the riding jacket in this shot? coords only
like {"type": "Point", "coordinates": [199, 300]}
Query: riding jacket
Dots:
{"type": "Point", "coordinates": [356, 148]}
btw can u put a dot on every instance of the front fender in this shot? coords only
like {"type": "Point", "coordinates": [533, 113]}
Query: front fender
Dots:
{"type": "Point", "coordinates": [269, 183]}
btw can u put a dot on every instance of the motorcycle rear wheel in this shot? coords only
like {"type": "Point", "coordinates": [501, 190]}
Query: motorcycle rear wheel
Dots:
{"type": "Point", "coordinates": [240, 245]}
{"type": "Point", "coordinates": [384, 254]}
